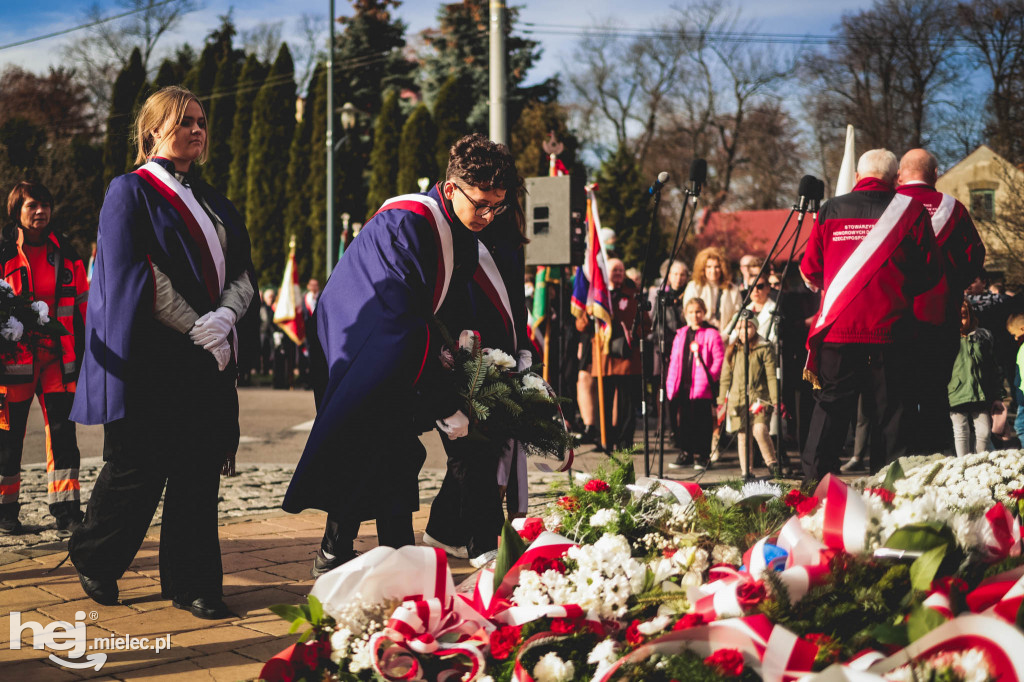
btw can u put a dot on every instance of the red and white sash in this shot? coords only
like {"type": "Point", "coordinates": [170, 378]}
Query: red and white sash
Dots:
{"type": "Point", "coordinates": [942, 218]}
{"type": "Point", "coordinates": [855, 273]}
{"type": "Point", "coordinates": [425, 206]}
{"type": "Point", "coordinates": [197, 222]}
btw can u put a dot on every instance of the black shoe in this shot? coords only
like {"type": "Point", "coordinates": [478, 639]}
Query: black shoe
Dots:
{"type": "Point", "coordinates": [748, 477]}
{"type": "Point", "coordinates": [702, 464]}
{"type": "Point", "coordinates": [321, 564]}
{"type": "Point", "coordinates": [682, 461]}
{"type": "Point", "coordinates": [67, 523]}
{"type": "Point", "coordinates": [100, 591]}
{"type": "Point", "coordinates": [775, 470]}
{"type": "Point", "coordinates": [10, 526]}
{"type": "Point", "coordinates": [201, 607]}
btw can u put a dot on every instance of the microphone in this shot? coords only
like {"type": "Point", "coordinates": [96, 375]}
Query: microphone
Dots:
{"type": "Point", "coordinates": [808, 189]}
{"type": "Point", "coordinates": [658, 184]}
{"type": "Point", "coordinates": [698, 176]}
{"type": "Point", "coordinates": [819, 194]}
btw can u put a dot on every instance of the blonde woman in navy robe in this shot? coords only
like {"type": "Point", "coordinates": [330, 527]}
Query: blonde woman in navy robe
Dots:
{"type": "Point", "coordinates": [172, 300]}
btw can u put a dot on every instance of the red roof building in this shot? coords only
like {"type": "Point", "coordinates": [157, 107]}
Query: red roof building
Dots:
{"type": "Point", "coordinates": [740, 232]}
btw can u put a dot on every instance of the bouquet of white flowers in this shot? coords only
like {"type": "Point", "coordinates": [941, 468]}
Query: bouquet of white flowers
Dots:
{"type": "Point", "coordinates": [501, 403]}
{"type": "Point", "coordinates": [23, 322]}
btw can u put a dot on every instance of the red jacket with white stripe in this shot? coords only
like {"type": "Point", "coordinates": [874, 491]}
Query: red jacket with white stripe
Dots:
{"type": "Point", "coordinates": [963, 256]}
{"type": "Point", "coordinates": [880, 311]}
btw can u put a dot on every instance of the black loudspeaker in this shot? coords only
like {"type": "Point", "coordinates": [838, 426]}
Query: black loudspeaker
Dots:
{"type": "Point", "coordinates": [555, 208]}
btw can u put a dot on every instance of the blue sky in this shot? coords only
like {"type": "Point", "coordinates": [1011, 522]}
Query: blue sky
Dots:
{"type": "Point", "coordinates": [21, 20]}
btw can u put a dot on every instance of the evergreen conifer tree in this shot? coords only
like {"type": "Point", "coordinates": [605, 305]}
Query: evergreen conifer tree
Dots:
{"type": "Point", "coordinates": [119, 123]}
{"type": "Point", "coordinates": [253, 73]}
{"type": "Point", "coordinates": [316, 217]}
{"type": "Point", "coordinates": [221, 113]}
{"type": "Point", "coordinates": [297, 187]}
{"type": "Point", "coordinates": [624, 206]}
{"type": "Point", "coordinates": [416, 155]}
{"type": "Point", "coordinates": [167, 74]}
{"type": "Point", "coordinates": [273, 124]}
{"type": "Point", "coordinates": [451, 111]}
{"type": "Point", "coordinates": [387, 133]}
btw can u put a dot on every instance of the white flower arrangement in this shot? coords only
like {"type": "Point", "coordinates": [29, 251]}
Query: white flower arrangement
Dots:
{"type": "Point", "coordinates": [532, 382]}
{"type": "Point", "coordinates": [728, 496]}
{"type": "Point", "coordinates": [42, 310]}
{"type": "Point", "coordinates": [604, 517]}
{"type": "Point", "coordinates": [12, 329]}
{"type": "Point", "coordinates": [499, 358]}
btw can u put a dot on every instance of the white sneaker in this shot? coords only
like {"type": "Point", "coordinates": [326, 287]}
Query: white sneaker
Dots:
{"type": "Point", "coordinates": [853, 464]}
{"type": "Point", "coordinates": [457, 552]}
{"type": "Point", "coordinates": [483, 559]}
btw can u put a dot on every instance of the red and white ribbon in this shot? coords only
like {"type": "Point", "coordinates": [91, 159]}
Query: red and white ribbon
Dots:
{"type": "Point", "coordinates": [1001, 595]}
{"type": "Point", "coordinates": [846, 517]}
{"type": "Point", "coordinates": [1004, 533]}
{"type": "Point", "coordinates": [774, 652]}
{"type": "Point", "coordinates": [490, 602]}
{"type": "Point", "coordinates": [685, 492]}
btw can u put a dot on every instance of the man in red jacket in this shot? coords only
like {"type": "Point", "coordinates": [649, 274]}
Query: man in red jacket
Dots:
{"type": "Point", "coordinates": [937, 310]}
{"type": "Point", "coordinates": [871, 252]}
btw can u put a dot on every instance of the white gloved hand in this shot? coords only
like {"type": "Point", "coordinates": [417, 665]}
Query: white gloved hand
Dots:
{"type": "Point", "coordinates": [221, 352]}
{"type": "Point", "coordinates": [455, 426]}
{"type": "Point", "coordinates": [213, 328]}
{"type": "Point", "coordinates": [524, 360]}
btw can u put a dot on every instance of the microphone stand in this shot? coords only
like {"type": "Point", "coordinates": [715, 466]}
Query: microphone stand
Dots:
{"type": "Point", "coordinates": [642, 306]}
{"type": "Point", "coordinates": [662, 302]}
{"type": "Point", "coordinates": [776, 324]}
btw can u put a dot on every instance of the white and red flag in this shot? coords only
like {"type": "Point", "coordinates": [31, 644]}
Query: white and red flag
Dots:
{"type": "Point", "coordinates": [288, 313]}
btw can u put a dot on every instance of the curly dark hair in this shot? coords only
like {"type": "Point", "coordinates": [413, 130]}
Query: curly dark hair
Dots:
{"type": "Point", "coordinates": [482, 163]}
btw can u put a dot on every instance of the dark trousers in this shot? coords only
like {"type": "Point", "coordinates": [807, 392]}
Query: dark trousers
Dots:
{"type": "Point", "coordinates": [121, 508]}
{"type": "Point", "coordinates": [341, 531]}
{"type": "Point", "coordinates": [467, 509]}
{"type": "Point", "coordinates": [62, 455]}
{"type": "Point", "coordinates": [627, 389]}
{"type": "Point", "coordinates": [881, 372]}
{"type": "Point", "coordinates": [935, 351]}
{"type": "Point", "coordinates": [696, 425]}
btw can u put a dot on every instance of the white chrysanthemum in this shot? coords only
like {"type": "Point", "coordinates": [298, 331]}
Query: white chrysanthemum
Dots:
{"type": "Point", "coordinates": [532, 382]}
{"type": "Point", "coordinates": [603, 655]}
{"type": "Point", "coordinates": [603, 517]}
{"type": "Point", "coordinates": [728, 496]}
{"type": "Point", "coordinates": [339, 644]}
{"type": "Point", "coordinates": [551, 668]}
{"type": "Point", "coordinates": [12, 329]}
{"type": "Point", "coordinates": [42, 310]}
{"type": "Point", "coordinates": [653, 626]}
{"type": "Point", "coordinates": [500, 358]}
{"type": "Point", "coordinates": [754, 488]}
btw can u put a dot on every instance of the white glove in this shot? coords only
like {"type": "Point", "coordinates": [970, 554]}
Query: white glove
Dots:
{"type": "Point", "coordinates": [213, 328]}
{"type": "Point", "coordinates": [524, 360]}
{"type": "Point", "coordinates": [221, 352]}
{"type": "Point", "coordinates": [455, 426]}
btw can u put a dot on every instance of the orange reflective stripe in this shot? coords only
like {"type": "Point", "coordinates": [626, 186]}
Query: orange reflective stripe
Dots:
{"type": "Point", "coordinates": [63, 486]}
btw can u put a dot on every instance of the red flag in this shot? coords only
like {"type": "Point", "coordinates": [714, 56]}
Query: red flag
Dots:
{"type": "Point", "coordinates": [288, 313]}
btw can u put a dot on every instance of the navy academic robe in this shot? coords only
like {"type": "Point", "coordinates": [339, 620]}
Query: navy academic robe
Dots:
{"type": "Point", "coordinates": [381, 361]}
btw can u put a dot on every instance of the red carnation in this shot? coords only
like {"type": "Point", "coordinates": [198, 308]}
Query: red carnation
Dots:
{"type": "Point", "coordinates": [669, 552]}
{"type": "Point", "coordinates": [504, 640]}
{"type": "Point", "coordinates": [541, 564]}
{"type": "Point", "coordinates": [568, 503]}
{"type": "Point", "coordinates": [794, 497]}
{"type": "Point", "coordinates": [633, 635]}
{"type": "Point", "coordinates": [531, 529]}
{"type": "Point", "coordinates": [595, 485]}
{"type": "Point", "coordinates": [307, 655]}
{"type": "Point", "coordinates": [750, 594]}
{"type": "Point", "coordinates": [887, 495]}
{"type": "Point", "coordinates": [807, 506]}
{"type": "Point", "coordinates": [1017, 494]}
{"type": "Point", "coordinates": [690, 620]}
{"type": "Point", "coordinates": [728, 662]}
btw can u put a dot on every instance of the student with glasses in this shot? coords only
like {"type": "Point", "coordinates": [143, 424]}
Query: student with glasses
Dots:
{"type": "Point", "coordinates": [376, 357]}
{"type": "Point", "coordinates": [761, 306]}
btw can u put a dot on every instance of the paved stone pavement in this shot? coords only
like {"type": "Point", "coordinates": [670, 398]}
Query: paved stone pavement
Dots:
{"type": "Point", "coordinates": [266, 553]}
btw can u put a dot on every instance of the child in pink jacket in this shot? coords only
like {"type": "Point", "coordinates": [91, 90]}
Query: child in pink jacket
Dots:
{"type": "Point", "coordinates": [693, 373]}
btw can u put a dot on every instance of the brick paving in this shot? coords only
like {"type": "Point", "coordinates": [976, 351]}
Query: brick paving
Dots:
{"type": "Point", "coordinates": [266, 553]}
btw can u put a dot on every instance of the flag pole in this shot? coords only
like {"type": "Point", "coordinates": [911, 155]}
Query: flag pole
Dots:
{"type": "Point", "coordinates": [597, 365]}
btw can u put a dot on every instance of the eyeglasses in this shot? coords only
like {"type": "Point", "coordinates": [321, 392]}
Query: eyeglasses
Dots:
{"type": "Point", "coordinates": [483, 210]}
{"type": "Point", "coordinates": [760, 285]}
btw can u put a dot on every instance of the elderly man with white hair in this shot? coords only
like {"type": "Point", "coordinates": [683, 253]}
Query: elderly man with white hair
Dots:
{"type": "Point", "coordinates": [871, 252]}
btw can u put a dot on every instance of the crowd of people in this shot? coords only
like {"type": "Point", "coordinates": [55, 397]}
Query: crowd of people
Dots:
{"type": "Point", "coordinates": [885, 329]}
